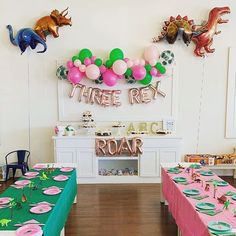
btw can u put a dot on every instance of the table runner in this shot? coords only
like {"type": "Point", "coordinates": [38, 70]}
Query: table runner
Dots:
{"type": "Point", "coordinates": [189, 221]}
{"type": "Point", "coordinates": [55, 219]}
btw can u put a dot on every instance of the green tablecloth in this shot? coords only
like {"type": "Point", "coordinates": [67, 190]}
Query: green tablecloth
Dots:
{"type": "Point", "coordinates": [55, 219]}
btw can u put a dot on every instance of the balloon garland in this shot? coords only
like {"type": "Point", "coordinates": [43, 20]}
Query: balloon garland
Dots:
{"type": "Point", "coordinates": [116, 67]}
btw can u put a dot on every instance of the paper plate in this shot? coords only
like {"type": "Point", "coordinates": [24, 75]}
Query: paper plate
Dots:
{"type": "Point", "coordinates": [52, 191]}
{"type": "Point", "coordinates": [40, 209]}
{"type": "Point", "coordinates": [205, 206]}
{"type": "Point", "coordinates": [39, 166]}
{"type": "Point", "coordinates": [66, 169]}
{"type": "Point", "coordinates": [22, 182]}
{"type": "Point", "coordinates": [5, 200]}
{"type": "Point", "coordinates": [61, 178]}
{"type": "Point", "coordinates": [222, 183]}
{"type": "Point", "coordinates": [31, 174]}
{"type": "Point", "coordinates": [191, 191]}
{"type": "Point", "coordinates": [234, 197]}
{"type": "Point", "coordinates": [29, 230]}
{"type": "Point", "coordinates": [180, 179]}
{"type": "Point", "coordinates": [219, 226]}
{"type": "Point", "coordinates": [206, 173]}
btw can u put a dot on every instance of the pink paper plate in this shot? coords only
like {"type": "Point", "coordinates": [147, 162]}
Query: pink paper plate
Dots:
{"type": "Point", "coordinates": [52, 191]}
{"type": "Point", "coordinates": [5, 200]}
{"type": "Point", "coordinates": [31, 174]}
{"type": "Point", "coordinates": [29, 230]}
{"type": "Point", "coordinates": [66, 169]}
{"type": "Point", "coordinates": [39, 166]}
{"type": "Point", "coordinates": [40, 209]}
{"type": "Point", "coordinates": [61, 178]}
{"type": "Point", "coordinates": [22, 182]}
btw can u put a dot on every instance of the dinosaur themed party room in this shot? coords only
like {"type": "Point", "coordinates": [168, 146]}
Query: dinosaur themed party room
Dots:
{"type": "Point", "coordinates": [118, 118]}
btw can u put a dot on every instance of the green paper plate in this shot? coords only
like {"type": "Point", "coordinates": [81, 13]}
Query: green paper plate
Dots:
{"type": "Point", "coordinates": [191, 191]}
{"type": "Point", "coordinates": [234, 197]}
{"type": "Point", "coordinates": [229, 193]}
{"type": "Point", "coordinates": [195, 166]}
{"type": "Point", "coordinates": [173, 169]}
{"type": "Point", "coordinates": [180, 179]}
{"type": "Point", "coordinates": [222, 183]}
{"type": "Point", "coordinates": [205, 206]}
{"type": "Point", "coordinates": [206, 173]}
{"type": "Point", "coordinates": [219, 226]}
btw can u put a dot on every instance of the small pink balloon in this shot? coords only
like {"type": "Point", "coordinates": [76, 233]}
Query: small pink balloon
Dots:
{"type": "Point", "coordinates": [151, 53]}
{"type": "Point", "coordinates": [82, 68]}
{"type": "Point", "coordinates": [93, 58]}
{"type": "Point", "coordinates": [87, 61]}
{"type": "Point", "coordinates": [77, 63]}
{"type": "Point", "coordinates": [119, 67]}
{"type": "Point", "coordinates": [110, 78]}
{"type": "Point", "coordinates": [102, 69]}
{"type": "Point", "coordinates": [142, 62]}
{"type": "Point", "coordinates": [139, 72]}
{"type": "Point", "coordinates": [153, 71]}
{"type": "Point", "coordinates": [92, 72]}
{"type": "Point", "coordinates": [136, 62]}
{"type": "Point", "coordinates": [75, 75]}
{"type": "Point", "coordinates": [69, 64]}
{"type": "Point", "coordinates": [153, 62]}
{"type": "Point", "coordinates": [130, 64]}
{"type": "Point", "coordinates": [158, 73]}
{"type": "Point", "coordinates": [126, 59]}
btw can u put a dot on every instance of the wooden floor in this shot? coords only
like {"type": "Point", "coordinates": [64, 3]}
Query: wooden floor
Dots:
{"type": "Point", "coordinates": [120, 210]}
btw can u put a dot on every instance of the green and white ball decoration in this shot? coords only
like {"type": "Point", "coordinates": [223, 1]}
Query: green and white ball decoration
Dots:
{"type": "Point", "coordinates": [62, 72]}
{"type": "Point", "coordinates": [167, 57]}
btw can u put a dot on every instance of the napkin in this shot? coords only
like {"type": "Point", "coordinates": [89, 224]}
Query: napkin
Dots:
{"type": "Point", "coordinates": [199, 197]}
{"type": "Point", "coordinates": [211, 212]}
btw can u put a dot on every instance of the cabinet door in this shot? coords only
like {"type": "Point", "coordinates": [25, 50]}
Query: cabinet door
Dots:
{"type": "Point", "coordinates": [168, 155]}
{"type": "Point", "coordinates": [149, 163]}
{"type": "Point", "coordinates": [86, 162]}
{"type": "Point", "coordinates": [66, 155]}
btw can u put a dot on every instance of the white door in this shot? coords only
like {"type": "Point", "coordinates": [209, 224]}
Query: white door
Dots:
{"type": "Point", "coordinates": [66, 155]}
{"type": "Point", "coordinates": [86, 162]}
{"type": "Point", "coordinates": [149, 163]}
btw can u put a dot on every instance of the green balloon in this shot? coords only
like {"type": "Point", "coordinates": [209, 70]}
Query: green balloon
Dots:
{"type": "Point", "coordinates": [98, 62]}
{"type": "Point", "coordinates": [128, 72]}
{"type": "Point", "coordinates": [108, 64]}
{"type": "Point", "coordinates": [147, 80]}
{"type": "Point", "coordinates": [116, 54]}
{"type": "Point", "coordinates": [74, 58]}
{"type": "Point", "coordinates": [148, 67]}
{"type": "Point", "coordinates": [85, 53]}
{"type": "Point", "coordinates": [162, 70]}
{"type": "Point", "coordinates": [158, 66]}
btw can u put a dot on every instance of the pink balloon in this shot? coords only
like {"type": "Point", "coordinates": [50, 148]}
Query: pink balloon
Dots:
{"type": "Point", "coordinates": [102, 69]}
{"type": "Point", "coordinates": [136, 62]}
{"type": "Point", "coordinates": [151, 53]}
{"type": "Point", "coordinates": [142, 62]}
{"type": "Point", "coordinates": [139, 72]}
{"type": "Point", "coordinates": [130, 64]}
{"type": "Point", "coordinates": [93, 58]}
{"type": "Point", "coordinates": [153, 71]}
{"type": "Point", "coordinates": [110, 78]}
{"type": "Point", "coordinates": [126, 59]}
{"type": "Point", "coordinates": [153, 62]}
{"type": "Point", "coordinates": [119, 67]}
{"type": "Point", "coordinates": [92, 72]}
{"type": "Point", "coordinates": [82, 68]}
{"type": "Point", "coordinates": [158, 74]}
{"type": "Point", "coordinates": [87, 61]}
{"type": "Point", "coordinates": [69, 64]}
{"type": "Point", "coordinates": [74, 75]}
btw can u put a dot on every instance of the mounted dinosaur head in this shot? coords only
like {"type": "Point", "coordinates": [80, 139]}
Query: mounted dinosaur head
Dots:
{"type": "Point", "coordinates": [60, 18]}
{"type": "Point", "coordinates": [217, 12]}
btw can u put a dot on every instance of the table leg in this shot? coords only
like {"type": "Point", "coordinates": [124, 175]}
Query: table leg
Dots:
{"type": "Point", "coordinates": [63, 232]}
{"type": "Point", "coordinates": [234, 173]}
{"type": "Point", "coordinates": [179, 233]}
{"type": "Point", "coordinates": [161, 195]}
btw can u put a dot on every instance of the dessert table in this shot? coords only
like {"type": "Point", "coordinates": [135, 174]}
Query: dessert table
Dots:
{"type": "Point", "coordinates": [46, 203]}
{"type": "Point", "coordinates": [190, 220]}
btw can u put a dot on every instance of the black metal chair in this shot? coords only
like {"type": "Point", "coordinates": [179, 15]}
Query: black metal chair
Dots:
{"type": "Point", "coordinates": [22, 162]}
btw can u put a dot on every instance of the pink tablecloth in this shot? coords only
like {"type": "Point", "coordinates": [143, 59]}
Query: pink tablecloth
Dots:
{"type": "Point", "coordinates": [189, 221]}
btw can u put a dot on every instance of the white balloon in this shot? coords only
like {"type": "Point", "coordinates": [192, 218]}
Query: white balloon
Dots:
{"type": "Point", "coordinates": [77, 63]}
{"type": "Point", "coordinates": [119, 67]}
{"type": "Point", "coordinates": [151, 53]}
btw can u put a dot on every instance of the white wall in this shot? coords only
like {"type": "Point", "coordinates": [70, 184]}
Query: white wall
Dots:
{"type": "Point", "coordinates": [28, 86]}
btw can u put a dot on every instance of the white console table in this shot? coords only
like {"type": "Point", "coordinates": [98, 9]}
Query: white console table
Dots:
{"type": "Point", "coordinates": [81, 150]}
